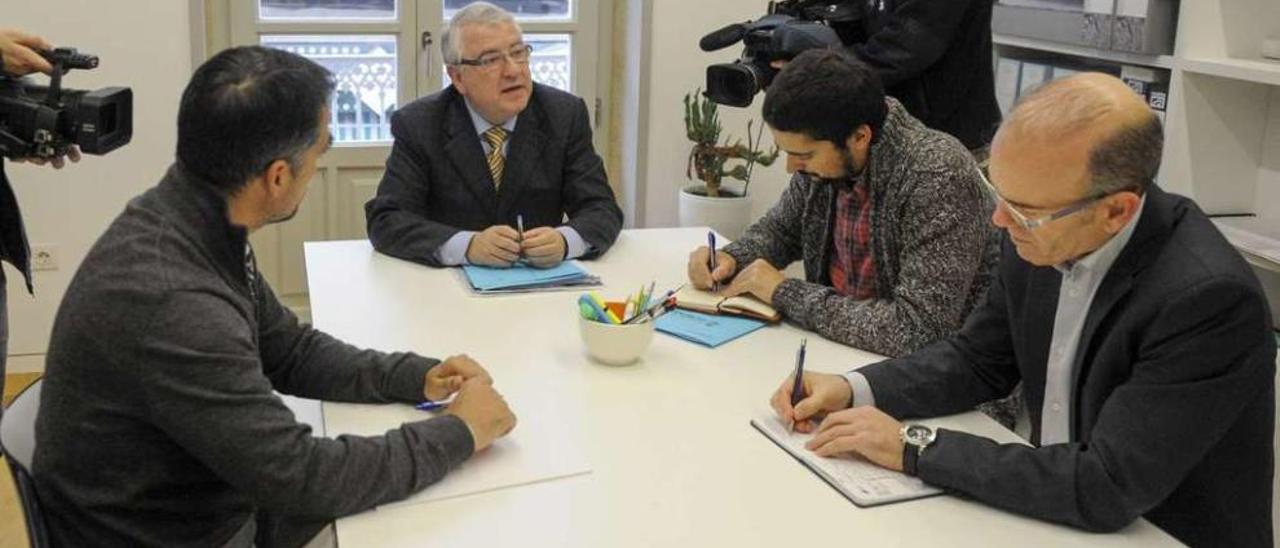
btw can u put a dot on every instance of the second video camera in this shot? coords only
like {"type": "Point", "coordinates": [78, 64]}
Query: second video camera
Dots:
{"type": "Point", "coordinates": [45, 121]}
{"type": "Point", "coordinates": [790, 27]}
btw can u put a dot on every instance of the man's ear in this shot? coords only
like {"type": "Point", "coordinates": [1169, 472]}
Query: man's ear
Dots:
{"type": "Point", "coordinates": [277, 176]}
{"type": "Point", "coordinates": [1119, 208]}
{"type": "Point", "coordinates": [860, 139]}
{"type": "Point", "coordinates": [455, 78]}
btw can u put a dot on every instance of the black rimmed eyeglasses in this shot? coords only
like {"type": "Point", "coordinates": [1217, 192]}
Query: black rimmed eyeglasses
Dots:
{"type": "Point", "coordinates": [490, 61]}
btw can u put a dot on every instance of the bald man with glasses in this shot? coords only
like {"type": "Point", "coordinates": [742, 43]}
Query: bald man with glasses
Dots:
{"type": "Point", "coordinates": [1142, 338]}
{"type": "Point", "coordinates": [494, 169]}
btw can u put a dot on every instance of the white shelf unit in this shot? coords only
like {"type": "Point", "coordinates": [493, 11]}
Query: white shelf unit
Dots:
{"type": "Point", "coordinates": [1119, 57]}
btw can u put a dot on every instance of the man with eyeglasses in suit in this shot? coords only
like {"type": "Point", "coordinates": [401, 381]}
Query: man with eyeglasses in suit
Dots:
{"type": "Point", "coordinates": [1141, 336]}
{"type": "Point", "coordinates": [491, 149]}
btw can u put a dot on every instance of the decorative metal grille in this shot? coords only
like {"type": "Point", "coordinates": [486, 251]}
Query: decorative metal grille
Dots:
{"type": "Point", "coordinates": [364, 69]}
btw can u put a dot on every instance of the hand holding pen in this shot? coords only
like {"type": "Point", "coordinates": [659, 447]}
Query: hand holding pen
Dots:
{"type": "Point", "coordinates": [803, 398]}
{"type": "Point", "coordinates": [541, 247]}
{"type": "Point", "coordinates": [708, 267]}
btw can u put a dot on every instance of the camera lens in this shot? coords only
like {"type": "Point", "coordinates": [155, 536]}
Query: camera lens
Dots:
{"type": "Point", "coordinates": [732, 84]}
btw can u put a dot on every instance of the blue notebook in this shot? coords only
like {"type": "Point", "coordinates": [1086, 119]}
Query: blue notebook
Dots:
{"type": "Point", "coordinates": [705, 329]}
{"type": "Point", "coordinates": [523, 277]}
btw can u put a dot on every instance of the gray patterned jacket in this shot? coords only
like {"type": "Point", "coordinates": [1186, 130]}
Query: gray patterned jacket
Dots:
{"type": "Point", "coordinates": [933, 243]}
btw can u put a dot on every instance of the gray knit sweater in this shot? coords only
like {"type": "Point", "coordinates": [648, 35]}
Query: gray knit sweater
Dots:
{"type": "Point", "coordinates": [158, 425]}
{"type": "Point", "coordinates": [931, 236]}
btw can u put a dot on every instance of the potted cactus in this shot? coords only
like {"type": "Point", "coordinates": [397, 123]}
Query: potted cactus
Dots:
{"type": "Point", "coordinates": [708, 202]}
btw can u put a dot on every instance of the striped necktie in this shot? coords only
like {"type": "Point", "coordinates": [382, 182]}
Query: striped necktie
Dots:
{"type": "Point", "coordinates": [496, 136]}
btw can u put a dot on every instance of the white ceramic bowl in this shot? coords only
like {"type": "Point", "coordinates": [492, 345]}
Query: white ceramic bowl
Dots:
{"type": "Point", "coordinates": [615, 344]}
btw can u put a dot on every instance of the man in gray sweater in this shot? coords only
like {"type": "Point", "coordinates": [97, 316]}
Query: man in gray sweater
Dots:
{"type": "Point", "coordinates": [888, 216]}
{"type": "Point", "coordinates": [158, 424]}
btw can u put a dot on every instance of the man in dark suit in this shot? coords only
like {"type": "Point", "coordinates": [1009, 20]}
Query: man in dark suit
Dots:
{"type": "Point", "coordinates": [1142, 338]}
{"type": "Point", "coordinates": [492, 148]}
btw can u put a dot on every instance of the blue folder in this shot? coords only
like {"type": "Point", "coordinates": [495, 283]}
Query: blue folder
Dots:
{"type": "Point", "coordinates": [705, 329]}
{"type": "Point", "coordinates": [522, 277]}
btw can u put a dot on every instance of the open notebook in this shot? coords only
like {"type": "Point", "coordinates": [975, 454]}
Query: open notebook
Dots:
{"type": "Point", "coordinates": [739, 305]}
{"type": "Point", "coordinates": [861, 482]}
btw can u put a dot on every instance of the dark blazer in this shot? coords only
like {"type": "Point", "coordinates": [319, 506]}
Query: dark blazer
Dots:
{"type": "Point", "coordinates": [437, 182]}
{"type": "Point", "coordinates": [1173, 410]}
{"type": "Point", "coordinates": [13, 237]}
{"type": "Point", "coordinates": [935, 57]}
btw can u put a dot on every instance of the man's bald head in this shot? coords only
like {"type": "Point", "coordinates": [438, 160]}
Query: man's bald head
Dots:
{"type": "Point", "coordinates": [1124, 138]}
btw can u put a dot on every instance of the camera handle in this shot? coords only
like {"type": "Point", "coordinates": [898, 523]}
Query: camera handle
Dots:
{"type": "Point", "coordinates": [54, 96]}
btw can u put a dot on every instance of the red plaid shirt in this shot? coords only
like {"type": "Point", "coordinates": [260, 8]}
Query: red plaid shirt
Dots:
{"type": "Point", "coordinates": [853, 268]}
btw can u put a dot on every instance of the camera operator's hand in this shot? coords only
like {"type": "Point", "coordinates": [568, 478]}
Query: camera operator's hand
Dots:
{"type": "Point", "coordinates": [73, 154]}
{"type": "Point", "coordinates": [20, 53]}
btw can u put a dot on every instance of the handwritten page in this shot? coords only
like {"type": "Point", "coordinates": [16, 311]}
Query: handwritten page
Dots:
{"type": "Point", "coordinates": [861, 482]}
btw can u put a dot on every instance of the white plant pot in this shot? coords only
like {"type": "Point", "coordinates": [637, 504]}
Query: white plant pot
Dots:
{"type": "Point", "coordinates": [728, 215]}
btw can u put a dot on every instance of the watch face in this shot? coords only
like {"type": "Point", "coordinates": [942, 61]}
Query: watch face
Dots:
{"type": "Point", "coordinates": [919, 434]}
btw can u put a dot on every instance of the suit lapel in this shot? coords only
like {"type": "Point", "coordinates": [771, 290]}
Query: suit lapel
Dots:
{"type": "Point", "coordinates": [1136, 255]}
{"type": "Point", "coordinates": [1036, 324]}
{"type": "Point", "coordinates": [523, 153]}
{"type": "Point", "coordinates": [464, 151]}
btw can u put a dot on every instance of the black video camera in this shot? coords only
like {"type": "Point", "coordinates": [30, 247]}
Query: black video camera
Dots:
{"type": "Point", "coordinates": [790, 27]}
{"type": "Point", "coordinates": [45, 121]}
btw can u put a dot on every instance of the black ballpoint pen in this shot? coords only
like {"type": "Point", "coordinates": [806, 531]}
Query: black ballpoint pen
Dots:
{"type": "Point", "coordinates": [797, 385]}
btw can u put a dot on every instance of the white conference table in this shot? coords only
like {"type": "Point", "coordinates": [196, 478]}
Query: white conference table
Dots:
{"type": "Point", "coordinates": [673, 459]}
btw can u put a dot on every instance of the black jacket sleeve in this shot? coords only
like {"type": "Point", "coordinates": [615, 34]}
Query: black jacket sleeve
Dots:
{"type": "Point", "coordinates": [396, 218]}
{"type": "Point", "coordinates": [587, 197]}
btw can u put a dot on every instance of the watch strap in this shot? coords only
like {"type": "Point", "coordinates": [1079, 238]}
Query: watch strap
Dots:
{"type": "Point", "coordinates": [910, 459]}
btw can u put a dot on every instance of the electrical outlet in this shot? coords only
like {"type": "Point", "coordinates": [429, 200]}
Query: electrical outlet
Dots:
{"type": "Point", "coordinates": [44, 257]}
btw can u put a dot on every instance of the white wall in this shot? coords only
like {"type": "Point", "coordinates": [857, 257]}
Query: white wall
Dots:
{"type": "Point", "coordinates": [676, 66]}
{"type": "Point", "coordinates": [143, 44]}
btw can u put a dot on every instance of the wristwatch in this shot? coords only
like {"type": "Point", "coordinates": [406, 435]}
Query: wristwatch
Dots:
{"type": "Point", "coordinates": [915, 437]}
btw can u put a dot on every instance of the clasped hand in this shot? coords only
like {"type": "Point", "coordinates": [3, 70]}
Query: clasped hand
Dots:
{"type": "Point", "coordinates": [475, 401]}
{"type": "Point", "coordinates": [502, 246]}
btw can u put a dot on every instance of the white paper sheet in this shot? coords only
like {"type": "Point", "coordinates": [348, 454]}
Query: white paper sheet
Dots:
{"type": "Point", "coordinates": [540, 448]}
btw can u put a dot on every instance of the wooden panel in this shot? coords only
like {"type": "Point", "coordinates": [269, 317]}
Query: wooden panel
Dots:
{"type": "Point", "coordinates": [355, 186]}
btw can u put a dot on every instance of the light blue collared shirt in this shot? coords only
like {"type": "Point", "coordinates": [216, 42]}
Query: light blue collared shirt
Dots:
{"type": "Point", "coordinates": [1080, 282]}
{"type": "Point", "coordinates": [454, 250]}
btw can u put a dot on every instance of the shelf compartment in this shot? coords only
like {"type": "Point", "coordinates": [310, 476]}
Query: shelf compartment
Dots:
{"type": "Point", "coordinates": [1258, 71]}
{"type": "Point", "coordinates": [1257, 238]}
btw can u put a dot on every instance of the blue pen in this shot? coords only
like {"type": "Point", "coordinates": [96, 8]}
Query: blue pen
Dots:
{"type": "Point", "coordinates": [797, 386]}
{"type": "Point", "coordinates": [711, 259]}
{"type": "Point", "coordinates": [431, 405]}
